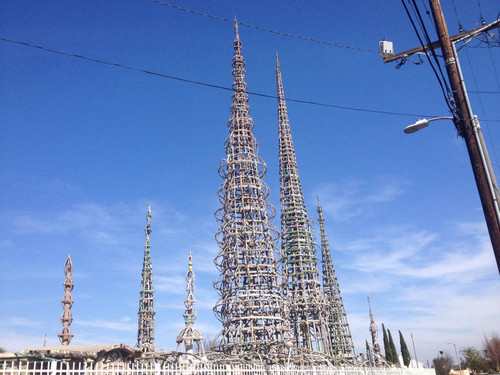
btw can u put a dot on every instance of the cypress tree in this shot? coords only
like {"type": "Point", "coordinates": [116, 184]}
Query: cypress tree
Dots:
{"type": "Point", "coordinates": [387, 347]}
{"type": "Point", "coordinates": [394, 353]}
{"type": "Point", "coordinates": [405, 353]}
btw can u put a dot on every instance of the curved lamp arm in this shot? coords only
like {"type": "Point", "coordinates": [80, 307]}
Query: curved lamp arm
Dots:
{"type": "Point", "coordinates": [423, 123]}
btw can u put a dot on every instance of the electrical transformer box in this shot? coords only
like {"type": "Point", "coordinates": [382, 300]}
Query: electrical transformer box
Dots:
{"type": "Point", "coordinates": [386, 48]}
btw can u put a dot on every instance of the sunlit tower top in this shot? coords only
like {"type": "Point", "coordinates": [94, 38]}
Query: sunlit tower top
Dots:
{"type": "Point", "coordinates": [302, 286]}
{"type": "Point", "coordinates": [65, 336]}
{"type": "Point", "coordinates": [189, 336]}
{"type": "Point", "coordinates": [340, 333]}
{"type": "Point", "coordinates": [146, 329]}
{"type": "Point", "coordinates": [373, 331]}
{"type": "Point", "coordinates": [250, 305]}
{"type": "Point", "coordinates": [376, 357]}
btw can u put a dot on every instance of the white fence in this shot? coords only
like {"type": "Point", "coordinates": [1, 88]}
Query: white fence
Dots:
{"type": "Point", "coordinates": [18, 367]}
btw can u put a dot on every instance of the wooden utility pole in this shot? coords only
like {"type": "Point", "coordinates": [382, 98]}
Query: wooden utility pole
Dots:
{"type": "Point", "coordinates": [467, 128]}
{"type": "Point", "coordinates": [467, 125]}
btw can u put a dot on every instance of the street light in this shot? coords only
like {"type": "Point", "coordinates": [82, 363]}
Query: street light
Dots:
{"type": "Point", "coordinates": [423, 123]}
{"type": "Point", "coordinates": [488, 192]}
{"type": "Point", "coordinates": [456, 353]}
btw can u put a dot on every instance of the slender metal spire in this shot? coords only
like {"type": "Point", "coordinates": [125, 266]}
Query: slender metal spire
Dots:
{"type": "Point", "coordinates": [189, 336]}
{"type": "Point", "coordinates": [308, 307]}
{"type": "Point", "coordinates": [373, 331]}
{"type": "Point", "coordinates": [250, 305]}
{"type": "Point", "coordinates": [340, 333]}
{"type": "Point", "coordinates": [376, 358]}
{"type": "Point", "coordinates": [146, 329]}
{"type": "Point", "coordinates": [236, 29]}
{"type": "Point", "coordinates": [65, 336]}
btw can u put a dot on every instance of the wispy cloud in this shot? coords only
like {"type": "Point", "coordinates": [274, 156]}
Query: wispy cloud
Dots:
{"type": "Point", "coordinates": [19, 321]}
{"type": "Point", "coordinates": [434, 285]}
{"type": "Point", "coordinates": [421, 254]}
{"type": "Point", "coordinates": [349, 199]}
{"type": "Point", "coordinates": [122, 324]}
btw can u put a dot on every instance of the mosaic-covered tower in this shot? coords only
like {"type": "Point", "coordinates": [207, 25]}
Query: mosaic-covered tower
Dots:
{"type": "Point", "coordinates": [65, 336]}
{"type": "Point", "coordinates": [301, 283]}
{"type": "Point", "coordinates": [146, 329]}
{"type": "Point", "coordinates": [250, 305]}
{"type": "Point", "coordinates": [190, 340]}
{"type": "Point", "coordinates": [340, 333]}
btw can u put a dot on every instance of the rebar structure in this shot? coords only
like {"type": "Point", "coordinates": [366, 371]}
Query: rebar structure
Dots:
{"type": "Point", "coordinates": [189, 339]}
{"type": "Point", "coordinates": [301, 282]}
{"type": "Point", "coordinates": [146, 328]}
{"type": "Point", "coordinates": [66, 318]}
{"type": "Point", "coordinates": [250, 305]}
{"type": "Point", "coordinates": [376, 357]}
{"type": "Point", "coordinates": [373, 330]}
{"type": "Point", "coordinates": [338, 326]}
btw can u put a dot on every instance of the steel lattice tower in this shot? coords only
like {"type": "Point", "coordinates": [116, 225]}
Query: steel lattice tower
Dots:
{"type": "Point", "coordinates": [250, 305]}
{"type": "Point", "coordinates": [146, 329]}
{"type": "Point", "coordinates": [65, 336]}
{"type": "Point", "coordinates": [340, 333]}
{"type": "Point", "coordinates": [189, 336]}
{"type": "Point", "coordinates": [301, 277]}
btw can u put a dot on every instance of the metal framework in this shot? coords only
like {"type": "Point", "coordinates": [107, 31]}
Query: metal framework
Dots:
{"type": "Point", "coordinates": [375, 357]}
{"type": "Point", "coordinates": [338, 326]}
{"type": "Point", "coordinates": [301, 283]}
{"type": "Point", "coordinates": [250, 307]}
{"type": "Point", "coordinates": [146, 329]}
{"type": "Point", "coordinates": [189, 336]}
{"type": "Point", "coordinates": [66, 318]}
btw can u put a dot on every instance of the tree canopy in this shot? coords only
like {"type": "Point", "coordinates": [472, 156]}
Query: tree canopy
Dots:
{"type": "Point", "coordinates": [442, 364]}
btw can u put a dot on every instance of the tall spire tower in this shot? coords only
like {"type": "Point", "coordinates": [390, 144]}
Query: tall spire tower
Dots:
{"type": "Point", "coordinates": [301, 277]}
{"type": "Point", "coordinates": [189, 336]}
{"type": "Point", "coordinates": [146, 329]}
{"type": "Point", "coordinates": [340, 333]}
{"type": "Point", "coordinates": [373, 331]}
{"type": "Point", "coordinates": [250, 305]}
{"type": "Point", "coordinates": [65, 336]}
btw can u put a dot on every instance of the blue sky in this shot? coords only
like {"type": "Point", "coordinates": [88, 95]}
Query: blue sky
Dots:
{"type": "Point", "coordinates": [85, 147]}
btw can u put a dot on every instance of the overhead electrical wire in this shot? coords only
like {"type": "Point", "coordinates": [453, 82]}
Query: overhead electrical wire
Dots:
{"type": "Point", "coordinates": [441, 84]}
{"type": "Point", "coordinates": [433, 51]}
{"type": "Point", "coordinates": [471, 67]}
{"type": "Point", "coordinates": [262, 28]}
{"type": "Point", "coordinates": [162, 75]}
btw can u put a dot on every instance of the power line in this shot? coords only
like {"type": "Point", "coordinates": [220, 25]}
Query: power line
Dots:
{"type": "Point", "coordinates": [481, 102]}
{"type": "Point", "coordinates": [162, 75]}
{"type": "Point", "coordinates": [433, 51]}
{"type": "Point", "coordinates": [441, 83]}
{"type": "Point", "coordinates": [483, 92]}
{"type": "Point", "coordinates": [262, 28]}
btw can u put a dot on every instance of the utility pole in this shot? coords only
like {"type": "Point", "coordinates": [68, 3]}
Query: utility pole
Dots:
{"type": "Point", "coordinates": [466, 128]}
{"type": "Point", "coordinates": [467, 125]}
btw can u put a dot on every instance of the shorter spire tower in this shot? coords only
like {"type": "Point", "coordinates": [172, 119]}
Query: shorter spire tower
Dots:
{"type": "Point", "coordinates": [65, 336]}
{"type": "Point", "coordinates": [146, 330]}
{"type": "Point", "coordinates": [189, 336]}
{"type": "Point", "coordinates": [373, 331]}
{"type": "Point", "coordinates": [340, 333]}
{"type": "Point", "coordinates": [375, 357]}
